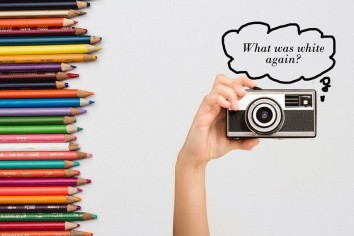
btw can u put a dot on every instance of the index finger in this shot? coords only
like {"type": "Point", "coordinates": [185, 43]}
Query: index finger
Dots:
{"type": "Point", "coordinates": [245, 82]}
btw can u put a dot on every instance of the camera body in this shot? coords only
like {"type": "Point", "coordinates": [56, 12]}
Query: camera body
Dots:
{"type": "Point", "coordinates": [274, 113]}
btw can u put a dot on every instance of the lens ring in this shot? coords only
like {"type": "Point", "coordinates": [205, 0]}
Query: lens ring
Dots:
{"type": "Point", "coordinates": [258, 127]}
{"type": "Point", "coordinates": [259, 122]}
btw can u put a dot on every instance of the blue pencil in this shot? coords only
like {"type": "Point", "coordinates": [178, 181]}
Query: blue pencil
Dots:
{"type": "Point", "coordinates": [44, 102]}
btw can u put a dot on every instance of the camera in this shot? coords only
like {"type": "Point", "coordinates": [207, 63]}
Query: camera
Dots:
{"type": "Point", "coordinates": [273, 113]}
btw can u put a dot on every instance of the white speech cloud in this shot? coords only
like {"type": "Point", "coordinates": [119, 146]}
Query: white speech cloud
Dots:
{"type": "Point", "coordinates": [285, 53]}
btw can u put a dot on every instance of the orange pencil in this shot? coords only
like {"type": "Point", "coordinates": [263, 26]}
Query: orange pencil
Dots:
{"type": "Point", "coordinates": [38, 191]}
{"type": "Point", "coordinates": [38, 173]}
{"type": "Point", "coordinates": [45, 93]}
{"type": "Point", "coordinates": [38, 22]}
{"type": "Point", "coordinates": [45, 233]}
{"type": "Point", "coordinates": [55, 199]}
{"type": "Point", "coordinates": [55, 58]}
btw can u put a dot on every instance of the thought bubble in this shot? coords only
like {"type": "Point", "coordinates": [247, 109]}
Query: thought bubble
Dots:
{"type": "Point", "coordinates": [285, 53]}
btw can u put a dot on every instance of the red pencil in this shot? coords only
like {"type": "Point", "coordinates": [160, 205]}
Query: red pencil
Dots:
{"type": "Point", "coordinates": [15, 226]}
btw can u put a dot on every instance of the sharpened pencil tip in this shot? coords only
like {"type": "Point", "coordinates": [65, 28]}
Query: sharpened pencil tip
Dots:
{"type": "Point", "coordinates": [94, 216]}
{"type": "Point", "coordinates": [97, 48]}
{"type": "Point", "coordinates": [78, 208]}
{"type": "Point", "coordinates": [89, 155]}
{"type": "Point", "coordinates": [66, 85]}
{"type": "Point", "coordinates": [72, 75]}
{"type": "Point", "coordinates": [88, 181]}
{"type": "Point", "coordinates": [79, 129]}
{"type": "Point", "coordinates": [82, 13]}
{"type": "Point", "coordinates": [75, 21]}
{"type": "Point", "coordinates": [76, 163]}
{"type": "Point", "coordinates": [73, 67]}
{"type": "Point", "coordinates": [88, 4]}
{"type": "Point", "coordinates": [91, 102]}
{"type": "Point", "coordinates": [79, 190]}
{"type": "Point", "coordinates": [82, 111]}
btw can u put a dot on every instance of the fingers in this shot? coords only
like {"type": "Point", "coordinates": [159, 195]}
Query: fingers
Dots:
{"type": "Point", "coordinates": [246, 144]}
{"type": "Point", "coordinates": [232, 89]}
{"type": "Point", "coordinates": [227, 93]}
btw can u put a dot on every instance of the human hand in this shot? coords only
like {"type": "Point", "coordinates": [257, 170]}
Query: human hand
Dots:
{"type": "Point", "coordinates": [207, 139]}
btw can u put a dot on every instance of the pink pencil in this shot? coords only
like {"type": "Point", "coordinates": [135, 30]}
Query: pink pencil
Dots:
{"type": "Point", "coordinates": [33, 156]}
{"type": "Point", "coordinates": [36, 138]}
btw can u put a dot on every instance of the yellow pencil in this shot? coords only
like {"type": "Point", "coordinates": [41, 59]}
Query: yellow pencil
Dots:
{"type": "Point", "coordinates": [48, 49]}
{"type": "Point", "coordinates": [64, 58]}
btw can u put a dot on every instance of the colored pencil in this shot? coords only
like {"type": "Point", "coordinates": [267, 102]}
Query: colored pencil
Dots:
{"type": "Point", "coordinates": [45, 233]}
{"type": "Point", "coordinates": [44, 102]}
{"type": "Point", "coordinates": [67, 93]}
{"type": "Point", "coordinates": [36, 77]}
{"type": "Point", "coordinates": [38, 191]}
{"type": "Point", "coordinates": [37, 120]}
{"type": "Point", "coordinates": [46, 85]}
{"type": "Point", "coordinates": [35, 217]}
{"type": "Point", "coordinates": [39, 129]}
{"type": "Point", "coordinates": [41, 31]}
{"type": "Point", "coordinates": [41, 14]}
{"type": "Point", "coordinates": [48, 49]}
{"type": "Point", "coordinates": [16, 226]}
{"type": "Point", "coordinates": [54, 111]}
{"type": "Point", "coordinates": [56, 58]}
{"type": "Point", "coordinates": [33, 67]}
{"type": "Point", "coordinates": [36, 182]}
{"type": "Point", "coordinates": [48, 40]}
{"type": "Point", "coordinates": [35, 22]}
{"type": "Point", "coordinates": [39, 208]}
{"type": "Point", "coordinates": [55, 199]}
{"type": "Point", "coordinates": [32, 156]}
{"type": "Point", "coordinates": [35, 138]}
{"type": "Point", "coordinates": [52, 164]}
{"type": "Point", "coordinates": [38, 147]}
{"type": "Point", "coordinates": [42, 5]}
{"type": "Point", "coordinates": [39, 173]}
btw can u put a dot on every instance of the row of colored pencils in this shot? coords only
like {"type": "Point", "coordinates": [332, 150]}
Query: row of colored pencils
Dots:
{"type": "Point", "coordinates": [37, 115]}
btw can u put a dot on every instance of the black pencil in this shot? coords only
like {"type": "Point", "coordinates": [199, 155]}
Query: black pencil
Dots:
{"type": "Point", "coordinates": [42, 5]}
{"type": "Point", "coordinates": [46, 85]}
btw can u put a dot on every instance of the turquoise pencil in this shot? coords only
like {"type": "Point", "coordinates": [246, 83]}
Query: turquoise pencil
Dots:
{"type": "Point", "coordinates": [44, 102]}
{"type": "Point", "coordinates": [55, 164]}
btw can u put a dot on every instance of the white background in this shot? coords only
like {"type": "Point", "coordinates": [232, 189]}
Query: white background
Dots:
{"type": "Point", "coordinates": [159, 60]}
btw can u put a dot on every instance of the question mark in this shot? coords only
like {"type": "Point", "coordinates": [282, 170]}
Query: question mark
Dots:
{"type": "Point", "coordinates": [298, 57]}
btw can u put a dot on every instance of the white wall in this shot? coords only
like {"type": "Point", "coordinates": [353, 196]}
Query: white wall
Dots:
{"type": "Point", "coordinates": [159, 60]}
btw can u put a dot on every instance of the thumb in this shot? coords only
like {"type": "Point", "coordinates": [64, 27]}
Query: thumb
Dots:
{"type": "Point", "coordinates": [245, 144]}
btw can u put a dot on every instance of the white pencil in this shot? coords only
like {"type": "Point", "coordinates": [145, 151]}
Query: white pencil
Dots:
{"type": "Point", "coordinates": [38, 147]}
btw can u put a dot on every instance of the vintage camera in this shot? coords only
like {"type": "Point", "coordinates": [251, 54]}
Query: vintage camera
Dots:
{"type": "Point", "coordinates": [274, 113]}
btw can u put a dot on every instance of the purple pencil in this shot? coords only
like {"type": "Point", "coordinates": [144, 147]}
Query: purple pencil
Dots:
{"type": "Point", "coordinates": [16, 182]}
{"type": "Point", "coordinates": [45, 67]}
{"type": "Point", "coordinates": [56, 111]}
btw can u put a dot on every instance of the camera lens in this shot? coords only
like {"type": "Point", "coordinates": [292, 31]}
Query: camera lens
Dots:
{"type": "Point", "coordinates": [264, 115]}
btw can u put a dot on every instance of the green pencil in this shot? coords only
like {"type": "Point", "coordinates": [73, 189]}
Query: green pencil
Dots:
{"type": "Point", "coordinates": [58, 216]}
{"type": "Point", "coordinates": [55, 164]}
{"type": "Point", "coordinates": [39, 129]}
{"type": "Point", "coordinates": [37, 120]}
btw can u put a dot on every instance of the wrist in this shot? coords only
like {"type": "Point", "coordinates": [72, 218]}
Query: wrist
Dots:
{"type": "Point", "coordinates": [188, 160]}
